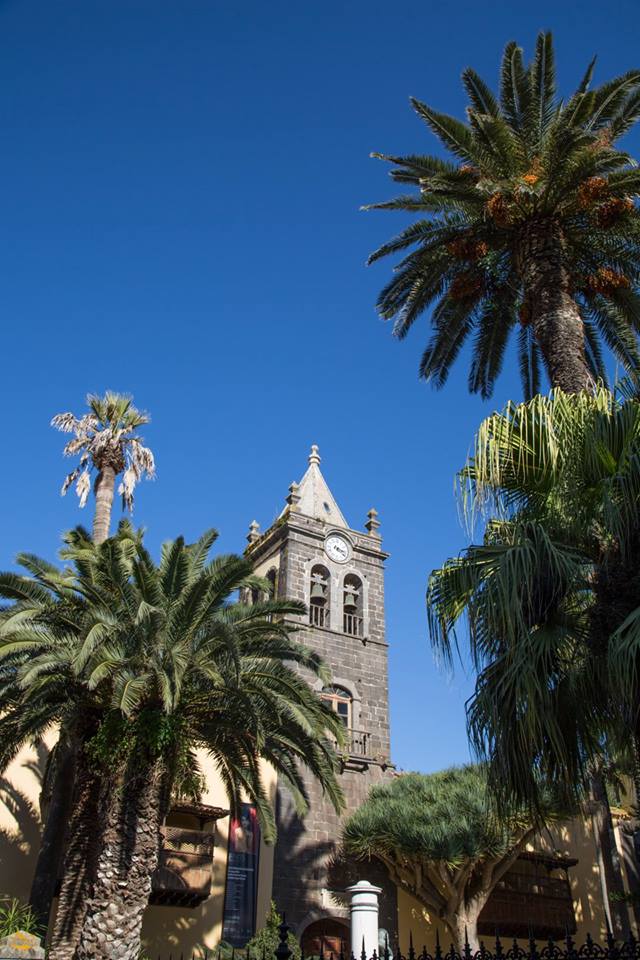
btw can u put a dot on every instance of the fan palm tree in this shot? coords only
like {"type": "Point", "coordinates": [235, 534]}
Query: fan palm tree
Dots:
{"type": "Point", "coordinates": [160, 662]}
{"type": "Point", "coordinates": [106, 440]}
{"type": "Point", "coordinates": [531, 224]}
{"type": "Point", "coordinates": [552, 595]}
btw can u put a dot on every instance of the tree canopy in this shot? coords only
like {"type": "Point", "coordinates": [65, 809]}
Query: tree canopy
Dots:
{"type": "Point", "coordinates": [148, 663]}
{"type": "Point", "coordinates": [551, 597]}
{"type": "Point", "coordinates": [106, 441]}
{"type": "Point", "coordinates": [441, 840]}
{"type": "Point", "coordinates": [530, 226]}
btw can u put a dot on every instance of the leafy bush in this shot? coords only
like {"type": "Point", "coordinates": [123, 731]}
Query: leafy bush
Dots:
{"type": "Point", "coordinates": [16, 916]}
{"type": "Point", "coordinates": [265, 941]}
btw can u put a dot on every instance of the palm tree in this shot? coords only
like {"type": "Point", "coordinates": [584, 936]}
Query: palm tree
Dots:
{"type": "Point", "coordinates": [531, 224]}
{"type": "Point", "coordinates": [160, 662]}
{"type": "Point", "coordinates": [106, 440]}
{"type": "Point", "coordinates": [107, 443]}
{"type": "Point", "coordinates": [552, 596]}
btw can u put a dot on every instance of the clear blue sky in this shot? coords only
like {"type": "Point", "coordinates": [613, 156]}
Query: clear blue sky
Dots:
{"type": "Point", "coordinates": [180, 188]}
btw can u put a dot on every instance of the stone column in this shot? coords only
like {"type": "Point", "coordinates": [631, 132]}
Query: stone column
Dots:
{"type": "Point", "coordinates": [364, 918]}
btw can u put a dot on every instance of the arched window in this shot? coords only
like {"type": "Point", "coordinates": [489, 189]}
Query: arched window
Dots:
{"type": "Point", "coordinates": [272, 578]}
{"type": "Point", "coordinates": [319, 596]}
{"type": "Point", "coordinates": [352, 607]}
{"type": "Point", "coordinates": [341, 703]}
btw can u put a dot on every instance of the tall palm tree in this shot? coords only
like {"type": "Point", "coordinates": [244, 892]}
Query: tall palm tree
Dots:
{"type": "Point", "coordinates": [531, 224]}
{"type": "Point", "coordinates": [107, 444]}
{"type": "Point", "coordinates": [106, 440]}
{"type": "Point", "coordinates": [552, 595]}
{"type": "Point", "coordinates": [160, 662]}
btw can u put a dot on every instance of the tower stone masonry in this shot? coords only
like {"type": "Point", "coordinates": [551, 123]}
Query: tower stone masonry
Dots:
{"type": "Point", "coordinates": [311, 554]}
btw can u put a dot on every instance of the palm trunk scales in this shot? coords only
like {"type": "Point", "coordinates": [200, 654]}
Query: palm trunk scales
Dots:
{"type": "Point", "coordinates": [129, 853]}
{"type": "Point", "coordinates": [554, 313]}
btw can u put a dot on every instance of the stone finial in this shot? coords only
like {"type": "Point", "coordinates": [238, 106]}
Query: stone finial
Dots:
{"type": "Point", "coordinates": [314, 456]}
{"type": "Point", "coordinates": [254, 531]}
{"type": "Point", "coordinates": [294, 495]}
{"type": "Point", "coordinates": [22, 945]}
{"type": "Point", "coordinates": [373, 524]}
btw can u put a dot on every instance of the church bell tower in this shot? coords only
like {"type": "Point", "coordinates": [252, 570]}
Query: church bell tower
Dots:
{"type": "Point", "coordinates": [311, 554]}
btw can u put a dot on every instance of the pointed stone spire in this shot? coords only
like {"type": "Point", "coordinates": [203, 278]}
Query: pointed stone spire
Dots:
{"type": "Point", "coordinates": [312, 496]}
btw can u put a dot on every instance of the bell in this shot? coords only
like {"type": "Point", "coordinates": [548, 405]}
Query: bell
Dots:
{"type": "Point", "coordinates": [317, 592]}
{"type": "Point", "coordinates": [350, 600]}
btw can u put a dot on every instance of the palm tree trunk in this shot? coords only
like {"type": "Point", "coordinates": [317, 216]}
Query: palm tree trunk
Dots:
{"type": "Point", "coordinates": [80, 858]}
{"type": "Point", "coordinates": [51, 857]}
{"type": "Point", "coordinates": [104, 488]}
{"type": "Point", "coordinates": [131, 813]}
{"type": "Point", "coordinates": [608, 860]}
{"type": "Point", "coordinates": [555, 316]}
{"type": "Point", "coordinates": [51, 853]}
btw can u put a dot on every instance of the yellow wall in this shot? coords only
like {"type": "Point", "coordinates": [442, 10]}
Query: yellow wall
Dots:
{"type": "Point", "coordinates": [20, 823]}
{"type": "Point", "coordinates": [166, 928]}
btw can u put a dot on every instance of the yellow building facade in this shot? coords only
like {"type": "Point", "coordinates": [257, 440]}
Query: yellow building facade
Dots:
{"type": "Point", "coordinates": [167, 927]}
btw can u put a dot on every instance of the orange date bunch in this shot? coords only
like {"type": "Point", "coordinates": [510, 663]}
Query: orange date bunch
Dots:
{"type": "Point", "coordinates": [606, 281]}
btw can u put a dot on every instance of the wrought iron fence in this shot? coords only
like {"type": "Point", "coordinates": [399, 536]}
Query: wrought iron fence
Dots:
{"type": "Point", "coordinates": [566, 949]}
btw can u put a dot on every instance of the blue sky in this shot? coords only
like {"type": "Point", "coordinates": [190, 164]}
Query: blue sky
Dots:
{"type": "Point", "coordinates": [179, 219]}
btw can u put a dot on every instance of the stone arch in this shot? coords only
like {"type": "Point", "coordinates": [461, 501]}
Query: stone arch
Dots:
{"type": "Point", "coordinates": [319, 582]}
{"type": "Point", "coordinates": [352, 573]}
{"type": "Point", "coordinates": [329, 930]}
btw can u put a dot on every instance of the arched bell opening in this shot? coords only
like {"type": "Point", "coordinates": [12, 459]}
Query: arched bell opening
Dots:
{"type": "Point", "coordinates": [352, 606]}
{"type": "Point", "coordinates": [319, 596]}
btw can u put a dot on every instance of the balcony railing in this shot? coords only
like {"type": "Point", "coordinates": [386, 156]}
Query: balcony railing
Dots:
{"type": "Point", "coordinates": [318, 615]}
{"type": "Point", "coordinates": [358, 744]}
{"type": "Point", "coordinates": [183, 876]}
{"type": "Point", "coordinates": [353, 624]}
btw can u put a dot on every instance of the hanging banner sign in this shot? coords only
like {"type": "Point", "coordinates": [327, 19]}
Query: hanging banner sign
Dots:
{"type": "Point", "coordinates": [241, 893]}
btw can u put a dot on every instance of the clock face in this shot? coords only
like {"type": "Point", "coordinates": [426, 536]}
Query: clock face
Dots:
{"type": "Point", "coordinates": [337, 548]}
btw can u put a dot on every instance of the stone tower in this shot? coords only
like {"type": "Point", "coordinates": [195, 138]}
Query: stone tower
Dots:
{"type": "Point", "coordinates": [311, 554]}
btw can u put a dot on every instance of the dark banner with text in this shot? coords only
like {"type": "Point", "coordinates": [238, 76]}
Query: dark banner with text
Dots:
{"type": "Point", "coordinates": [239, 922]}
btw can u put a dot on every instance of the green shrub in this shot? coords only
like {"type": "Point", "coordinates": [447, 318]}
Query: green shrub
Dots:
{"type": "Point", "coordinates": [266, 940]}
{"type": "Point", "coordinates": [16, 916]}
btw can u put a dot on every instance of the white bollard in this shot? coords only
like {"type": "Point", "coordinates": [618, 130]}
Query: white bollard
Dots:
{"type": "Point", "coordinates": [364, 918]}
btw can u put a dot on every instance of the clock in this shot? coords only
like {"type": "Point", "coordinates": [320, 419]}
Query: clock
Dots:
{"type": "Point", "coordinates": [337, 548]}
